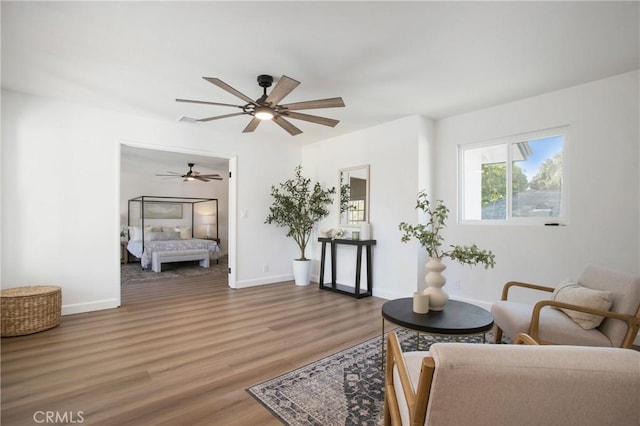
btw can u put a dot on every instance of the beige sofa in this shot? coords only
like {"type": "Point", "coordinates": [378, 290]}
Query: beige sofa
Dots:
{"type": "Point", "coordinates": [476, 384]}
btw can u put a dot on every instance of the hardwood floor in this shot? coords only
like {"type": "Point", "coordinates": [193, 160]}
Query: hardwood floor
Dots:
{"type": "Point", "coordinates": [178, 353]}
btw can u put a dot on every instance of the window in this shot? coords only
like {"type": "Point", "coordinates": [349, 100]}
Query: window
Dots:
{"type": "Point", "coordinates": [515, 179]}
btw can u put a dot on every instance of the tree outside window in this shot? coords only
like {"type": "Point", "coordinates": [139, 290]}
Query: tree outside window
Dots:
{"type": "Point", "coordinates": [519, 178]}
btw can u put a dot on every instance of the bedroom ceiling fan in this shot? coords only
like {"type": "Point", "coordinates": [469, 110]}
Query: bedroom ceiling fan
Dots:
{"type": "Point", "coordinates": [268, 107]}
{"type": "Point", "coordinates": [192, 175]}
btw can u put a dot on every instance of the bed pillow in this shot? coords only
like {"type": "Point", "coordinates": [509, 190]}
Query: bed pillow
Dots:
{"type": "Point", "coordinates": [171, 235]}
{"type": "Point", "coordinates": [135, 233]}
{"type": "Point", "coordinates": [185, 233]}
{"type": "Point", "coordinates": [162, 236]}
{"type": "Point", "coordinates": [571, 292]}
{"type": "Point", "coordinates": [154, 236]}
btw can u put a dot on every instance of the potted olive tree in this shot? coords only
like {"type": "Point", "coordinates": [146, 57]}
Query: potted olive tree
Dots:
{"type": "Point", "coordinates": [428, 235]}
{"type": "Point", "coordinates": [298, 206]}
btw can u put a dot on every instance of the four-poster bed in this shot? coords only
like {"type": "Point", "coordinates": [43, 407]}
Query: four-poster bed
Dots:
{"type": "Point", "coordinates": [165, 240]}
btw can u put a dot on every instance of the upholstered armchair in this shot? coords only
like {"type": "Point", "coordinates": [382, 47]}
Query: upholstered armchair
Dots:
{"type": "Point", "coordinates": [486, 384]}
{"type": "Point", "coordinates": [601, 309]}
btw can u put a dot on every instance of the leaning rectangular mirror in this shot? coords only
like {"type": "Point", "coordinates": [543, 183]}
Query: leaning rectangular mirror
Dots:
{"type": "Point", "coordinates": [354, 195]}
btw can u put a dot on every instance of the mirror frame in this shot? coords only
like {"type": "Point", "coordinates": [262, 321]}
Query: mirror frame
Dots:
{"type": "Point", "coordinates": [366, 169]}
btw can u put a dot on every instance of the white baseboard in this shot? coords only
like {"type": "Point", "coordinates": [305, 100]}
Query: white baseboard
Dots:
{"type": "Point", "coordinates": [484, 305]}
{"type": "Point", "coordinates": [97, 305]}
{"type": "Point", "coordinates": [263, 281]}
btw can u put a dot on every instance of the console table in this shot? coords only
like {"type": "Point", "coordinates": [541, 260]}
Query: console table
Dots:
{"type": "Point", "coordinates": [356, 292]}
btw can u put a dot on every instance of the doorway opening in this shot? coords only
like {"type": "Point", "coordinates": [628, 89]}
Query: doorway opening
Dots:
{"type": "Point", "coordinates": [140, 166]}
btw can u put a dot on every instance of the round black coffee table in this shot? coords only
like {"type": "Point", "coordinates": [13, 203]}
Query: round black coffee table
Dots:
{"type": "Point", "coordinates": [456, 319]}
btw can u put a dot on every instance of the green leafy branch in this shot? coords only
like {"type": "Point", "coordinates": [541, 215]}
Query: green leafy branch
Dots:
{"type": "Point", "coordinates": [428, 235]}
{"type": "Point", "coordinates": [298, 206]}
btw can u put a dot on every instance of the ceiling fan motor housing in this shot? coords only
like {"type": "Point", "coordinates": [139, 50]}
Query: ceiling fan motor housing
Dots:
{"type": "Point", "coordinates": [265, 80]}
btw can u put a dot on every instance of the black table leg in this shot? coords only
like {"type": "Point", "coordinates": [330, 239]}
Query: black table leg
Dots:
{"type": "Point", "coordinates": [333, 264]}
{"type": "Point", "coordinates": [358, 267]}
{"type": "Point", "coordinates": [322, 259]}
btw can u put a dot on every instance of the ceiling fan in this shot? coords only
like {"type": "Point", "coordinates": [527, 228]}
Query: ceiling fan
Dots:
{"type": "Point", "coordinates": [192, 175]}
{"type": "Point", "coordinates": [268, 107]}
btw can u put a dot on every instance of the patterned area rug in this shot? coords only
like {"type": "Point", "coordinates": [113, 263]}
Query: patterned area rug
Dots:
{"type": "Point", "coordinates": [346, 388]}
{"type": "Point", "coordinates": [132, 273]}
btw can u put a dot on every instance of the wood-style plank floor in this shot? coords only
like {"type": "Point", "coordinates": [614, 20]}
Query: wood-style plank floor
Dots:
{"type": "Point", "coordinates": [178, 353]}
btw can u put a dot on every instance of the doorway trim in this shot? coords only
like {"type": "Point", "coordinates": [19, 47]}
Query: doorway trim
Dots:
{"type": "Point", "coordinates": [232, 203]}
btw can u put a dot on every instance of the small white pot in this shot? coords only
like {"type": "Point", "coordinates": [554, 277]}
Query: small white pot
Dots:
{"type": "Point", "coordinates": [302, 272]}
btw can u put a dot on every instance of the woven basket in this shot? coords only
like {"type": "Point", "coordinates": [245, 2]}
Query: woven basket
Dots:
{"type": "Point", "coordinates": [26, 310]}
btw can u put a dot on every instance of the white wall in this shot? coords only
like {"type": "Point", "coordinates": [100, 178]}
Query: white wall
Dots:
{"type": "Point", "coordinates": [60, 176]}
{"type": "Point", "coordinates": [603, 187]}
{"type": "Point", "coordinates": [393, 151]}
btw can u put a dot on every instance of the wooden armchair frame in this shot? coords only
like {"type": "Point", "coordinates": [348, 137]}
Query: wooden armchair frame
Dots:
{"type": "Point", "coordinates": [416, 401]}
{"type": "Point", "coordinates": [633, 322]}
{"type": "Point", "coordinates": [419, 398]}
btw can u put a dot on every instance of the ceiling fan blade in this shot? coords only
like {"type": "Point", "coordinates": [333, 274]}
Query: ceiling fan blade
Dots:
{"type": "Point", "coordinates": [224, 86]}
{"type": "Point", "coordinates": [252, 125]}
{"type": "Point", "coordinates": [319, 103]}
{"type": "Point", "coordinates": [200, 178]}
{"type": "Point", "coordinates": [216, 176]}
{"type": "Point", "coordinates": [293, 130]}
{"type": "Point", "coordinates": [173, 174]}
{"type": "Point", "coordinates": [311, 118]}
{"type": "Point", "coordinates": [207, 103]}
{"type": "Point", "coordinates": [217, 117]}
{"type": "Point", "coordinates": [283, 87]}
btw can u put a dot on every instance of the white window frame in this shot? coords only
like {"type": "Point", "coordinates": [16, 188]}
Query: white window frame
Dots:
{"type": "Point", "coordinates": [560, 220]}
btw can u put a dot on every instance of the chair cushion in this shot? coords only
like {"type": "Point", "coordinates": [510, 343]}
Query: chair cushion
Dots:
{"type": "Point", "coordinates": [555, 326]}
{"type": "Point", "coordinates": [571, 292]}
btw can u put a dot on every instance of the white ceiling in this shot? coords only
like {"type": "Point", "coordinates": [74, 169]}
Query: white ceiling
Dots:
{"type": "Point", "coordinates": [150, 162]}
{"type": "Point", "coordinates": [386, 59]}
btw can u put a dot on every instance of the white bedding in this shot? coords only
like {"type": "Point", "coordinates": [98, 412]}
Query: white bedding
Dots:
{"type": "Point", "coordinates": [135, 248]}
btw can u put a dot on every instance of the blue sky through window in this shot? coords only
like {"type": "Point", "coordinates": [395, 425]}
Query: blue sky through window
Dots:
{"type": "Point", "coordinates": [542, 149]}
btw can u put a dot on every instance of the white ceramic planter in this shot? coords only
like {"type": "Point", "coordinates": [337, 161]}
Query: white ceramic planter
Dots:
{"type": "Point", "coordinates": [302, 272]}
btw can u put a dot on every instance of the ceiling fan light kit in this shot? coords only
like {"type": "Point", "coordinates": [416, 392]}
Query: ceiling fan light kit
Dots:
{"type": "Point", "coordinates": [263, 113]}
{"type": "Point", "coordinates": [268, 107]}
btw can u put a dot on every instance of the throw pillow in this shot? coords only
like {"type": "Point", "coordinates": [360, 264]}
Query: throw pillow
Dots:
{"type": "Point", "coordinates": [171, 235]}
{"type": "Point", "coordinates": [162, 236]}
{"type": "Point", "coordinates": [154, 236]}
{"type": "Point", "coordinates": [185, 233]}
{"type": "Point", "coordinates": [571, 292]}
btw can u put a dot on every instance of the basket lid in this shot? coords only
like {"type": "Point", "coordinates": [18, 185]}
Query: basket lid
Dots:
{"type": "Point", "coordinates": [32, 290]}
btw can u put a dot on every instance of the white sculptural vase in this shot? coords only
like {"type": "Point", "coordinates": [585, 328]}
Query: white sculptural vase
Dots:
{"type": "Point", "coordinates": [435, 281]}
